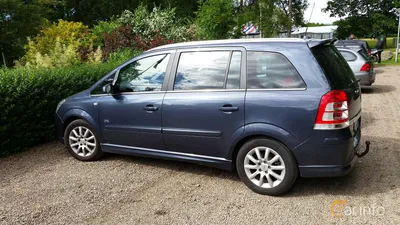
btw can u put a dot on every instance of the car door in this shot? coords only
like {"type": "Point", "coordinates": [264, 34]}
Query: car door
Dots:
{"type": "Point", "coordinates": [203, 108]}
{"type": "Point", "coordinates": [132, 115]}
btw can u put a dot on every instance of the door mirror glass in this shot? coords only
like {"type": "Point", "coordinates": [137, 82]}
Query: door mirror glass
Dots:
{"type": "Point", "coordinates": [107, 88]}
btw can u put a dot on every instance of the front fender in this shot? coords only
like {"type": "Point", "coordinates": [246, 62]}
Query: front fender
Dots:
{"type": "Point", "coordinates": [269, 130]}
{"type": "Point", "coordinates": [82, 114]}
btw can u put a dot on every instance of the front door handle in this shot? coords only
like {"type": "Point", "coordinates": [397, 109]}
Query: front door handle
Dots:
{"type": "Point", "coordinates": [228, 108]}
{"type": "Point", "coordinates": [150, 108]}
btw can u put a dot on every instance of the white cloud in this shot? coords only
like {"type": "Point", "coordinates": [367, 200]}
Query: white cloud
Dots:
{"type": "Point", "coordinates": [318, 15]}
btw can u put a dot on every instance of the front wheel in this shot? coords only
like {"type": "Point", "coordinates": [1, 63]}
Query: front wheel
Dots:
{"type": "Point", "coordinates": [81, 141]}
{"type": "Point", "coordinates": [266, 167]}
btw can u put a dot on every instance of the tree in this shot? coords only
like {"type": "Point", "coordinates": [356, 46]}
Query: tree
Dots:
{"type": "Point", "coordinates": [20, 19]}
{"type": "Point", "coordinates": [311, 24]}
{"type": "Point", "coordinates": [364, 18]}
{"type": "Point", "coordinates": [90, 12]}
{"type": "Point", "coordinates": [293, 11]}
{"type": "Point", "coordinates": [215, 19]}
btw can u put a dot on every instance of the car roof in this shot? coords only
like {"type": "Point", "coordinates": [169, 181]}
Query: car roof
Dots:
{"type": "Point", "coordinates": [350, 49]}
{"type": "Point", "coordinates": [228, 42]}
{"type": "Point", "coordinates": [352, 42]}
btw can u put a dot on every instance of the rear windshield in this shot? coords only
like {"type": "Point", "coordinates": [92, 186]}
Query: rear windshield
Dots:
{"type": "Point", "coordinates": [364, 55]}
{"type": "Point", "coordinates": [335, 67]}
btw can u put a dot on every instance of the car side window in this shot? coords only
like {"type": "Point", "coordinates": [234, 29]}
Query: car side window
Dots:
{"type": "Point", "coordinates": [201, 70]}
{"type": "Point", "coordinates": [145, 74]}
{"type": "Point", "coordinates": [348, 56]}
{"type": "Point", "coordinates": [99, 89]}
{"type": "Point", "coordinates": [269, 70]}
{"type": "Point", "coordinates": [233, 81]}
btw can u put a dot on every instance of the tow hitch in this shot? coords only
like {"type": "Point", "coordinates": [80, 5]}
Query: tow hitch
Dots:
{"type": "Point", "coordinates": [366, 150]}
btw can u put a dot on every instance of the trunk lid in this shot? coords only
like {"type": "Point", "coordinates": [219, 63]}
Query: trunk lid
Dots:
{"type": "Point", "coordinates": [339, 74]}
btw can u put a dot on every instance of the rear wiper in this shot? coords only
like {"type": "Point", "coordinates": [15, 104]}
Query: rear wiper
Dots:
{"type": "Point", "coordinates": [354, 82]}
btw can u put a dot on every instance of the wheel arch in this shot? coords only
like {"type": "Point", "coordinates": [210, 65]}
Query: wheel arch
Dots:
{"type": "Point", "coordinates": [76, 114]}
{"type": "Point", "coordinates": [267, 131]}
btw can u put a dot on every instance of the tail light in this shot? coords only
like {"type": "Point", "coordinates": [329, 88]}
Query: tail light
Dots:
{"type": "Point", "coordinates": [366, 67]}
{"type": "Point", "coordinates": [333, 111]}
{"type": "Point", "coordinates": [369, 52]}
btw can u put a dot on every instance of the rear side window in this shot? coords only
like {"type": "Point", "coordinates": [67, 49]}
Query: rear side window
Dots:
{"type": "Point", "coordinates": [335, 67]}
{"type": "Point", "coordinates": [202, 70]}
{"type": "Point", "coordinates": [268, 70]}
{"type": "Point", "coordinates": [348, 56]}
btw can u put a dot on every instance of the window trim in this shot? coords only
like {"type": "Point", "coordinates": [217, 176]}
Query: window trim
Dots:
{"type": "Point", "coordinates": [139, 57]}
{"type": "Point", "coordinates": [242, 77]}
{"type": "Point", "coordinates": [277, 89]}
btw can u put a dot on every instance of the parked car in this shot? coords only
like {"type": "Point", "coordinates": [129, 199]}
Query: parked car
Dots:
{"type": "Point", "coordinates": [272, 109]}
{"type": "Point", "coordinates": [361, 65]}
{"type": "Point", "coordinates": [357, 44]}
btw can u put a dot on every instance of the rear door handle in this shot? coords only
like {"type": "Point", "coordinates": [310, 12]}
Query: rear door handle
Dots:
{"type": "Point", "coordinates": [228, 108]}
{"type": "Point", "coordinates": [150, 108]}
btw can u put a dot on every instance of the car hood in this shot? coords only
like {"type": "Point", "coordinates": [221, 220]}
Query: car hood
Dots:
{"type": "Point", "coordinates": [82, 94]}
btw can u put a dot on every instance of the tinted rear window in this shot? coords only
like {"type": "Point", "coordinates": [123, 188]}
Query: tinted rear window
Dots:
{"type": "Point", "coordinates": [365, 56]}
{"type": "Point", "coordinates": [334, 66]}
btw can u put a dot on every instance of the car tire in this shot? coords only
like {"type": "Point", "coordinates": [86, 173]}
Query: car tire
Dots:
{"type": "Point", "coordinates": [271, 171]}
{"type": "Point", "coordinates": [81, 141]}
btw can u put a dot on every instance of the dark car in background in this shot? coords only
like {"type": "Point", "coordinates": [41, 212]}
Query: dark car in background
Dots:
{"type": "Point", "coordinates": [361, 64]}
{"type": "Point", "coordinates": [272, 109]}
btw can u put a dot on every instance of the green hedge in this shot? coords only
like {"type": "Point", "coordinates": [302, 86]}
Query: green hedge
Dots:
{"type": "Point", "coordinates": [29, 98]}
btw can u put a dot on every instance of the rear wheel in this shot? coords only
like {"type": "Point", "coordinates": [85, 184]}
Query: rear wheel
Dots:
{"type": "Point", "coordinates": [81, 141]}
{"type": "Point", "coordinates": [266, 166]}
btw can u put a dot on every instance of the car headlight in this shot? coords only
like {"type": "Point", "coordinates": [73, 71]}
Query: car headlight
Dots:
{"type": "Point", "coordinates": [59, 104]}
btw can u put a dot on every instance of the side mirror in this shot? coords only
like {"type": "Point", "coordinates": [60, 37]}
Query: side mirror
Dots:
{"type": "Point", "coordinates": [108, 88]}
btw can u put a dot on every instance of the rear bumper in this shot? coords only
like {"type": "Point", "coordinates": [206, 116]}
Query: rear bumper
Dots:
{"type": "Point", "coordinates": [327, 171]}
{"type": "Point", "coordinates": [329, 153]}
{"type": "Point", "coordinates": [366, 78]}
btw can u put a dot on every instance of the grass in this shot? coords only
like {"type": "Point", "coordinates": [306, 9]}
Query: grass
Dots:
{"type": "Point", "coordinates": [391, 62]}
{"type": "Point", "coordinates": [390, 46]}
{"type": "Point", "coordinates": [372, 42]}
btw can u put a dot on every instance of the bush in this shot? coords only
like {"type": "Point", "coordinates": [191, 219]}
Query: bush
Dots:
{"type": "Point", "coordinates": [29, 98]}
{"type": "Point", "coordinates": [124, 38]}
{"type": "Point", "coordinates": [102, 28]}
{"type": "Point", "coordinates": [57, 45]}
{"type": "Point", "coordinates": [147, 24]}
{"type": "Point", "coordinates": [123, 55]}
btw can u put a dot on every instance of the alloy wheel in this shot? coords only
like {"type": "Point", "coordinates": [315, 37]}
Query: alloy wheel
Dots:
{"type": "Point", "coordinates": [82, 141]}
{"type": "Point", "coordinates": [264, 167]}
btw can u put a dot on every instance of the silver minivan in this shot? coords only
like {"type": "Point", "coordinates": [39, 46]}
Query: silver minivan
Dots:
{"type": "Point", "coordinates": [361, 64]}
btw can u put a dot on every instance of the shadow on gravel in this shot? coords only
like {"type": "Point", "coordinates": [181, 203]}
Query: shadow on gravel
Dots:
{"type": "Point", "coordinates": [367, 119]}
{"type": "Point", "coordinates": [377, 172]}
{"type": "Point", "coordinates": [378, 71]}
{"type": "Point", "coordinates": [377, 89]}
{"type": "Point", "coordinates": [174, 165]}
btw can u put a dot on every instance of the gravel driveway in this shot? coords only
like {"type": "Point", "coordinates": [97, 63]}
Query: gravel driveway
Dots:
{"type": "Point", "coordinates": [46, 185]}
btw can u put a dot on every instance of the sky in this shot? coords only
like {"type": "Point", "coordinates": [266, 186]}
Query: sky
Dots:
{"type": "Point", "coordinates": [318, 16]}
